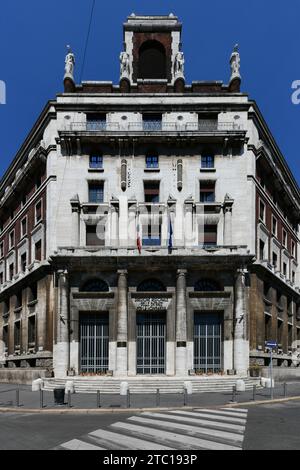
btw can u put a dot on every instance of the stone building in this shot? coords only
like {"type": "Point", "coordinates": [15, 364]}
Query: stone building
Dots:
{"type": "Point", "coordinates": [149, 227]}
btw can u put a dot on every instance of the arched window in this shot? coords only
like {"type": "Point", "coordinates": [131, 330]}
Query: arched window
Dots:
{"type": "Point", "coordinates": [207, 285]}
{"type": "Point", "coordinates": [152, 60]}
{"type": "Point", "coordinates": [151, 285]}
{"type": "Point", "coordinates": [95, 285]}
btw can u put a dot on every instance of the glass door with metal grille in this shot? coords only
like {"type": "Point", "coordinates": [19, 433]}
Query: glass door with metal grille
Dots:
{"type": "Point", "coordinates": [94, 341]}
{"type": "Point", "coordinates": [151, 341]}
{"type": "Point", "coordinates": [207, 342]}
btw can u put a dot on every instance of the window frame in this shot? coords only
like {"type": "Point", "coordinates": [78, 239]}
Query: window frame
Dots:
{"type": "Point", "coordinates": [10, 244]}
{"type": "Point", "coordinates": [21, 226]}
{"type": "Point", "coordinates": [205, 165]}
{"type": "Point", "coordinates": [99, 183]}
{"type": "Point", "coordinates": [36, 221]}
{"type": "Point", "coordinates": [98, 165]}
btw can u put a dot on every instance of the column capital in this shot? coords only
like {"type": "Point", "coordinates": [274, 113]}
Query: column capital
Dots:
{"type": "Point", "coordinates": [123, 272]}
{"type": "Point", "coordinates": [181, 272]}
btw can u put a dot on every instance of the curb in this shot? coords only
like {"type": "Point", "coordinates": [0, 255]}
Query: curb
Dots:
{"type": "Point", "coordinates": [137, 410]}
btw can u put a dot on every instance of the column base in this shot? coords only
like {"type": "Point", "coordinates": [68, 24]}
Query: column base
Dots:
{"type": "Point", "coordinates": [61, 359]}
{"type": "Point", "coordinates": [181, 366]}
{"type": "Point", "coordinates": [122, 361]}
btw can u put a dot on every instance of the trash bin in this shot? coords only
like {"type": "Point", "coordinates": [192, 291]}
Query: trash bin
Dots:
{"type": "Point", "coordinates": [59, 396]}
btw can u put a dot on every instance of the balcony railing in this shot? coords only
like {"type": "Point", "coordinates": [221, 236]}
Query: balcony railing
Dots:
{"type": "Point", "coordinates": [153, 126]}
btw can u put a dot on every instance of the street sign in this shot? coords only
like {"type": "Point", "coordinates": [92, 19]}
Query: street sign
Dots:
{"type": "Point", "coordinates": [271, 344]}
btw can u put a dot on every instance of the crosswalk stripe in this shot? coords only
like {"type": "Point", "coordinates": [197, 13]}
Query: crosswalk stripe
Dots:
{"type": "Point", "coordinates": [235, 410]}
{"type": "Point", "coordinates": [207, 423]}
{"type": "Point", "coordinates": [118, 441]}
{"type": "Point", "coordinates": [223, 413]}
{"type": "Point", "coordinates": [178, 439]}
{"type": "Point", "coordinates": [194, 430]}
{"type": "Point", "coordinates": [208, 416]}
{"type": "Point", "coordinates": [77, 444]}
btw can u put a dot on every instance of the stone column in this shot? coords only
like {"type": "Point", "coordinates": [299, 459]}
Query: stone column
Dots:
{"type": "Point", "coordinates": [188, 223]}
{"type": "Point", "coordinates": [227, 208]}
{"type": "Point", "coordinates": [41, 316]}
{"type": "Point", "coordinates": [114, 241]}
{"type": "Point", "coordinates": [75, 205]}
{"type": "Point", "coordinates": [181, 323]}
{"type": "Point", "coordinates": [240, 343]}
{"type": "Point", "coordinates": [122, 334]}
{"type": "Point", "coordinates": [61, 350]}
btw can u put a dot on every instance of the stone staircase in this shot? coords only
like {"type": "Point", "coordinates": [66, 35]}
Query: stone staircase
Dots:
{"type": "Point", "coordinates": [140, 385]}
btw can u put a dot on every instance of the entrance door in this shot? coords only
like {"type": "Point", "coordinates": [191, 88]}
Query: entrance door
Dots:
{"type": "Point", "coordinates": [151, 340]}
{"type": "Point", "coordinates": [94, 342]}
{"type": "Point", "coordinates": [207, 342]}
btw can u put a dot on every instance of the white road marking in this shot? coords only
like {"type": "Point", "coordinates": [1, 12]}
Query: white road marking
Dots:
{"type": "Point", "coordinates": [223, 413]}
{"type": "Point", "coordinates": [197, 421]}
{"type": "Point", "coordinates": [77, 444]}
{"type": "Point", "coordinates": [105, 437]}
{"type": "Point", "coordinates": [195, 430]}
{"type": "Point", "coordinates": [178, 439]}
{"type": "Point", "coordinates": [208, 416]}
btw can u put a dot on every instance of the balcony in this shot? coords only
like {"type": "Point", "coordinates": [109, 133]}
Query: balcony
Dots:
{"type": "Point", "coordinates": [153, 126]}
{"type": "Point", "coordinates": [74, 133]}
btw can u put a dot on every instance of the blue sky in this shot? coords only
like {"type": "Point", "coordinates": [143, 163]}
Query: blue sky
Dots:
{"type": "Point", "coordinates": [34, 34]}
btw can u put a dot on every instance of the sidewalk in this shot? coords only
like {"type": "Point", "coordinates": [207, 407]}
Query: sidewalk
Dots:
{"type": "Point", "coordinates": [29, 400]}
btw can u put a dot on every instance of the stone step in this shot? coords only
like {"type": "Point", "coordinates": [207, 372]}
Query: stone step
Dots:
{"type": "Point", "coordinates": [149, 385]}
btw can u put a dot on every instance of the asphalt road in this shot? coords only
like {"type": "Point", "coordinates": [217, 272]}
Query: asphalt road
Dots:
{"type": "Point", "coordinates": [274, 427]}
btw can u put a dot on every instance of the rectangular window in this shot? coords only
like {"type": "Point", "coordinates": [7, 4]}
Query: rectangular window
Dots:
{"type": "Point", "coordinates": [279, 332]}
{"type": "Point", "coordinates": [32, 295]}
{"type": "Point", "coordinates": [152, 122]}
{"type": "Point", "coordinates": [152, 161]}
{"type": "Point", "coordinates": [38, 250]}
{"type": "Point", "coordinates": [38, 212]}
{"type": "Point", "coordinates": [207, 191]}
{"type": "Point", "coordinates": [293, 249]}
{"type": "Point", "coordinates": [262, 211]}
{"type": "Point", "coordinates": [31, 331]}
{"type": "Point", "coordinates": [19, 300]}
{"type": "Point", "coordinates": [284, 238]}
{"type": "Point", "coordinates": [17, 334]}
{"type": "Point", "coordinates": [290, 336]}
{"type": "Point", "coordinates": [95, 236]}
{"type": "Point", "coordinates": [11, 271]}
{"type": "Point", "coordinates": [207, 161]}
{"type": "Point", "coordinates": [293, 277]}
{"type": "Point", "coordinates": [151, 189]}
{"type": "Point", "coordinates": [274, 226]}
{"type": "Point", "coordinates": [12, 239]}
{"type": "Point", "coordinates": [274, 259]}
{"type": "Point", "coordinates": [1, 278]}
{"type": "Point", "coordinates": [261, 250]}
{"type": "Point", "coordinates": [210, 235]}
{"type": "Point", "coordinates": [268, 327]}
{"type": "Point", "coordinates": [23, 262]}
{"type": "Point", "coordinates": [284, 269]}
{"type": "Point", "coordinates": [96, 192]}
{"type": "Point", "coordinates": [96, 161]}
{"type": "Point", "coordinates": [96, 122]}
{"type": "Point", "coordinates": [152, 234]}
{"type": "Point", "coordinates": [24, 227]}
{"type": "Point", "coordinates": [1, 249]}
{"type": "Point", "coordinates": [38, 182]}
{"type": "Point", "coordinates": [5, 337]}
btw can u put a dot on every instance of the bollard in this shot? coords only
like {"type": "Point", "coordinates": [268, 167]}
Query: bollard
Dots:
{"type": "Point", "coordinates": [185, 397]}
{"type": "Point", "coordinates": [41, 398]}
{"type": "Point", "coordinates": [98, 399]}
{"type": "Point", "coordinates": [17, 397]}
{"type": "Point", "coordinates": [157, 397]}
{"type": "Point", "coordinates": [69, 399]}
{"type": "Point", "coordinates": [285, 389]}
{"type": "Point", "coordinates": [128, 398]}
{"type": "Point", "coordinates": [234, 394]}
{"type": "Point", "coordinates": [254, 392]}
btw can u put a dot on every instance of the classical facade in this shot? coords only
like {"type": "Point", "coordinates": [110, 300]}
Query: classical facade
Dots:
{"type": "Point", "coordinates": [149, 227]}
